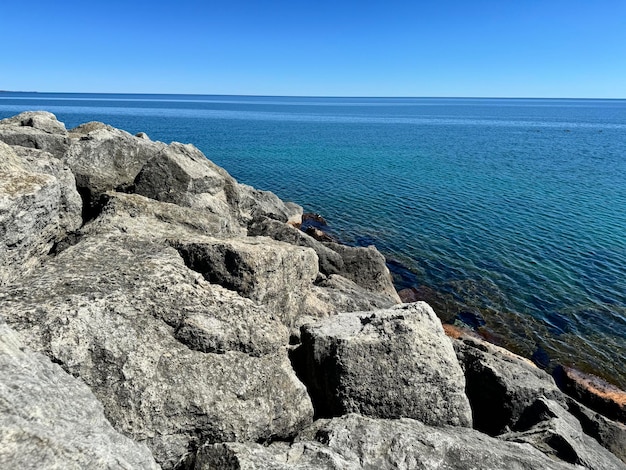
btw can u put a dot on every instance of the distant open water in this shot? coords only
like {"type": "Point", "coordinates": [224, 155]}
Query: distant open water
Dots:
{"type": "Point", "coordinates": [511, 212]}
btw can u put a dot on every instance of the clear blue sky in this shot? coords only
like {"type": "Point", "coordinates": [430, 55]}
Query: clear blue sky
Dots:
{"type": "Point", "coordinates": [500, 48]}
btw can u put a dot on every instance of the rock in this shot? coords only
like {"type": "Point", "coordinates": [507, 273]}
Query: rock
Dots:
{"type": "Point", "coordinates": [387, 363]}
{"type": "Point", "coordinates": [592, 391]}
{"type": "Point", "coordinates": [49, 419]}
{"type": "Point", "coordinates": [274, 274]}
{"type": "Point", "coordinates": [319, 235]}
{"type": "Point", "coordinates": [547, 426]}
{"type": "Point", "coordinates": [367, 268]}
{"type": "Point", "coordinates": [355, 442]}
{"type": "Point", "coordinates": [610, 434]}
{"type": "Point", "coordinates": [314, 218]}
{"type": "Point", "coordinates": [182, 175]}
{"type": "Point", "coordinates": [35, 212]}
{"type": "Point", "coordinates": [103, 158]}
{"type": "Point", "coordinates": [501, 385]}
{"type": "Point", "coordinates": [174, 360]}
{"type": "Point", "coordinates": [330, 262]}
{"type": "Point", "coordinates": [36, 129]}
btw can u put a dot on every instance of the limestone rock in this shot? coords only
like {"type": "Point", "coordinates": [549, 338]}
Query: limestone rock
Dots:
{"type": "Point", "coordinates": [31, 216]}
{"type": "Point", "coordinates": [103, 158]}
{"type": "Point", "coordinates": [271, 273]}
{"type": "Point", "coordinates": [355, 442]}
{"type": "Point", "coordinates": [36, 129]}
{"type": "Point", "coordinates": [550, 428]}
{"type": "Point", "coordinates": [388, 363]}
{"type": "Point", "coordinates": [174, 360]}
{"type": "Point", "coordinates": [49, 419]}
{"type": "Point", "coordinates": [500, 384]}
{"type": "Point", "coordinates": [367, 268]}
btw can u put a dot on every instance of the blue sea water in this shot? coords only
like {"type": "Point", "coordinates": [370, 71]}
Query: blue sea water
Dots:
{"type": "Point", "coordinates": [508, 211]}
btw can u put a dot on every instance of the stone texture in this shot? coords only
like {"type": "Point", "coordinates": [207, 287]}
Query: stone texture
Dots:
{"type": "Point", "coordinates": [594, 392]}
{"type": "Point", "coordinates": [274, 274]}
{"type": "Point", "coordinates": [36, 129]}
{"type": "Point", "coordinates": [49, 419]}
{"type": "Point", "coordinates": [367, 268]}
{"type": "Point", "coordinates": [547, 426]}
{"type": "Point", "coordinates": [355, 442]}
{"type": "Point", "coordinates": [174, 360]}
{"type": "Point", "coordinates": [34, 213]}
{"type": "Point", "coordinates": [104, 158]}
{"type": "Point", "coordinates": [501, 385]}
{"type": "Point", "coordinates": [388, 363]}
{"type": "Point", "coordinates": [182, 175]}
{"type": "Point", "coordinates": [610, 434]}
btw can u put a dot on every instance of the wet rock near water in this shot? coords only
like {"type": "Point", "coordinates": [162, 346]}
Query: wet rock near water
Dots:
{"type": "Point", "coordinates": [157, 313]}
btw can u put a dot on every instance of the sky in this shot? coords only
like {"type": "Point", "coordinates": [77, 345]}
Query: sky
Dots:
{"type": "Point", "coordinates": [444, 48]}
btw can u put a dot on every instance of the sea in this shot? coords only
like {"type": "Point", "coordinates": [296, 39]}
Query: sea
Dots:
{"type": "Point", "coordinates": [507, 215]}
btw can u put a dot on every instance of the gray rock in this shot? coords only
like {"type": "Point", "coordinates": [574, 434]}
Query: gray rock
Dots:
{"type": "Point", "coordinates": [610, 434]}
{"type": "Point", "coordinates": [182, 175]}
{"type": "Point", "coordinates": [551, 429]}
{"type": "Point", "coordinates": [173, 359]}
{"type": "Point", "coordinates": [367, 268]}
{"type": "Point", "coordinates": [355, 442]}
{"type": "Point", "coordinates": [271, 273]}
{"type": "Point", "coordinates": [32, 215]}
{"type": "Point", "coordinates": [49, 419]}
{"type": "Point", "coordinates": [103, 158]}
{"type": "Point", "coordinates": [36, 129]}
{"type": "Point", "coordinates": [501, 385]}
{"type": "Point", "coordinates": [388, 363]}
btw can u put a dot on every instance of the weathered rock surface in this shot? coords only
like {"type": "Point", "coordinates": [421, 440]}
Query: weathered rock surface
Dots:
{"type": "Point", "coordinates": [548, 427]}
{"type": "Point", "coordinates": [501, 385]}
{"type": "Point", "coordinates": [49, 419]}
{"type": "Point", "coordinates": [182, 175]}
{"type": "Point", "coordinates": [389, 363]}
{"type": "Point", "coordinates": [355, 442]}
{"type": "Point", "coordinates": [36, 211]}
{"type": "Point", "coordinates": [104, 158]}
{"type": "Point", "coordinates": [38, 130]}
{"type": "Point", "coordinates": [135, 324]}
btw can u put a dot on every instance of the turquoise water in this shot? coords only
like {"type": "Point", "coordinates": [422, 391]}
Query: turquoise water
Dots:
{"type": "Point", "coordinates": [511, 210]}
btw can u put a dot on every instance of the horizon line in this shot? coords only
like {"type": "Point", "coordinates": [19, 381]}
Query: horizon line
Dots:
{"type": "Point", "coordinates": [318, 96]}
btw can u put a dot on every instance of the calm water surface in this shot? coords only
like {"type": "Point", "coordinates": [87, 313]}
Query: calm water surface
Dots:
{"type": "Point", "coordinates": [511, 212]}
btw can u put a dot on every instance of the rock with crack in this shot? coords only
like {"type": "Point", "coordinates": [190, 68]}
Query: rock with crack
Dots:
{"type": "Point", "coordinates": [49, 419]}
{"type": "Point", "coordinates": [387, 363]}
{"type": "Point", "coordinates": [500, 384]}
{"type": "Point", "coordinates": [274, 274]}
{"type": "Point", "coordinates": [356, 442]}
{"type": "Point", "coordinates": [104, 158]}
{"type": "Point", "coordinates": [175, 360]}
{"type": "Point", "coordinates": [183, 175]}
{"type": "Point", "coordinates": [38, 207]}
{"type": "Point", "coordinates": [547, 426]}
{"type": "Point", "coordinates": [37, 130]}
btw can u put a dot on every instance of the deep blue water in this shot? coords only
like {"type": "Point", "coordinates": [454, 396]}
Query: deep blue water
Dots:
{"type": "Point", "coordinates": [513, 210]}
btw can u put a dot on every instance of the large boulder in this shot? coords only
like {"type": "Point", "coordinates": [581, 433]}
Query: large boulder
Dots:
{"type": "Point", "coordinates": [271, 273]}
{"type": "Point", "coordinates": [182, 175]}
{"type": "Point", "coordinates": [175, 360]}
{"type": "Point", "coordinates": [547, 426]}
{"type": "Point", "coordinates": [104, 158]}
{"type": "Point", "coordinates": [36, 211]}
{"type": "Point", "coordinates": [355, 442]}
{"type": "Point", "coordinates": [38, 130]}
{"type": "Point", "coordinates": [49, 419]}
{"type": "Point", "coordinates": [388, 363]}
{"type": "Point", "coordinates": [500, 384]}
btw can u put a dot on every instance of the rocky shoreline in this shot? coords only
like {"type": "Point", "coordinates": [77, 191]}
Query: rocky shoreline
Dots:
{"type": "Point", "coordinates": [156, 313]}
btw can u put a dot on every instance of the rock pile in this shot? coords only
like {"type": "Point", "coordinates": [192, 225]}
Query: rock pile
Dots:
{"type": "Point", "coordinates": [156, 313]}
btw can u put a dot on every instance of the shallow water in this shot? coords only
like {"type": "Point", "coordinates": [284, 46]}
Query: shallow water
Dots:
{"type": "Point", "coordinates": [511, 210]}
